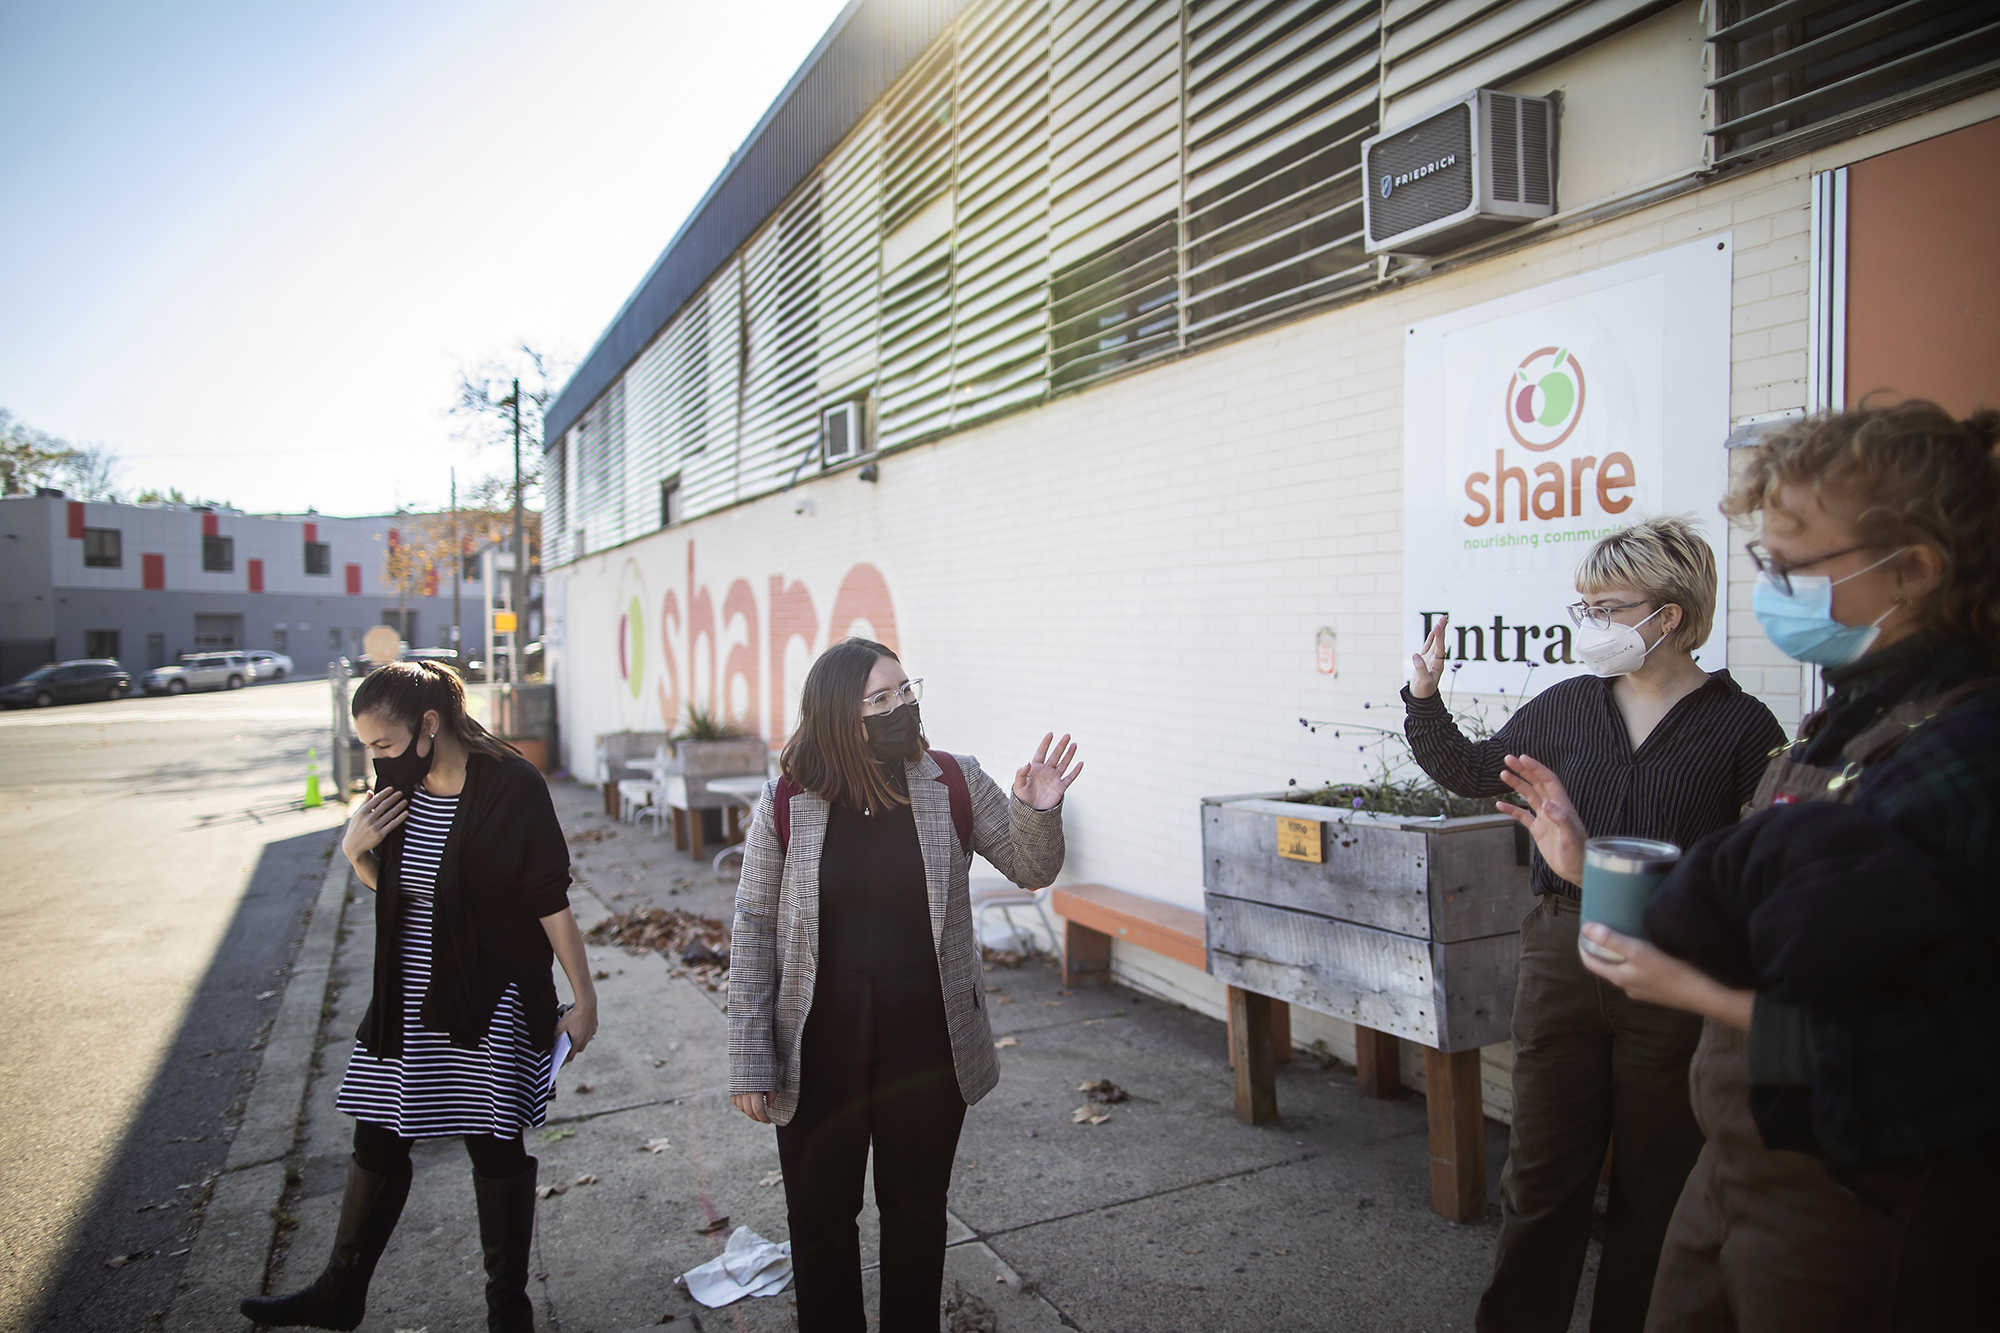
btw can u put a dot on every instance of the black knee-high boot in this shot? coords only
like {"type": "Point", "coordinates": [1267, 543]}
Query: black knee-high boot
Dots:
{"type": "Point", "coordinates": [338, 1296]}
{"type": "Point", "coordinates": [506, 1235]}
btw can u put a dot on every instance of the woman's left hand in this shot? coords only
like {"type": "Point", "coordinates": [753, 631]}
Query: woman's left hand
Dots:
{"type": "Point", "coordinates": [581, 1024]}
{"type": "Point", "coordinates": [1041, 781]}
{"type": "Point", "coordinates": [1655, 977]}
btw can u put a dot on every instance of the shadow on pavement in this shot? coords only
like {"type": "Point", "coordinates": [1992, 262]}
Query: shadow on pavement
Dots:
{"type": "Point", "coordinates": [148, 1203]}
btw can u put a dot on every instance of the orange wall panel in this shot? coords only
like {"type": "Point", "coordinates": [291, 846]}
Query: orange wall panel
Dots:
{"type": "Point", "coordinates": [1923, 271]}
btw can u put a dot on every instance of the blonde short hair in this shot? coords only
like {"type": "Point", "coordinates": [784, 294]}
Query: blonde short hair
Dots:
{"type": "Point", "coordinates": [1663, 560]}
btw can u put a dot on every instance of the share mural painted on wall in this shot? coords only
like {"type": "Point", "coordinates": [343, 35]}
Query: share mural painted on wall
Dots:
{"type": "Point", "coordinates": [741, 655]}
{"type": "Point", "coordinates": [1536, 424]}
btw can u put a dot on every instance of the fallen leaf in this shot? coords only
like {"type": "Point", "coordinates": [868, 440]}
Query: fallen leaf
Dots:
{"type": "Point", "coordinates": [1004, 1043]}
{"type": "Point", "coordinates": [1065, 993]}
{"type": "Point", "coordinates": [655, 1145]}
{"type": "Point", "coordinates": [265, 994]}
{"type": "Point", "coordinates": [585, 1179]}
{"type": "Point", "coordinates": [551, 1135]}
{"type": "Point", "coordinates": [1190, 1249]}
{"type": "Point", "coordinates": [1105, 1091]}
{"type": "Point", "coordinates": [1056, 1003]}
{"type": "Point", "coordinates": [1088, 1115]}
{"type": "Point", "coordinates": [120, 1260]}
{"type": "Point", "coordinates": [719, 1224]}
{"type": "Point", "coordinates": [1279, 1249]}
{"type": "Point", "coordinates": [773, 1178]}
{"type": "Point", "coordinates": [600, 975]}
{"type": "Point", "coordinates": [668, 1318]}
{"type": "Point", "coordinates": [1003, 999]}
{"type": "Point", "coordinates": [550, 1191]}
{"type": "Point", "coordinates": [175, 1254]}
{"type": "Point", "coordinates": [586, 1087]}
{"type": "Point", "coordinates": [659, 1064]}
{"type": "Point", "coordinates": [992, 990]}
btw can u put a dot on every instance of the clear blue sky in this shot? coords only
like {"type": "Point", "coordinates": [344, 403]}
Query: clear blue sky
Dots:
{"type": "Point", "coordinates": [249, 245]}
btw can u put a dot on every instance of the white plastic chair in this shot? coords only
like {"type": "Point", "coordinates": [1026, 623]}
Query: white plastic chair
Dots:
{"type": "Point", "coordinates": [1001, 896]}
{"type": "Point", "coordinates": [634, 795]}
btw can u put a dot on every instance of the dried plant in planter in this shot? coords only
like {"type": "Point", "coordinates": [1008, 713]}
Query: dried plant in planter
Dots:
{"type": "Point", "coordinates": [1400, 786]}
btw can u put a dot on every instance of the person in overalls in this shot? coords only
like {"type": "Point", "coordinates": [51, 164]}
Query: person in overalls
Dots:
{"type": "Point", "coordinates": [1843, 941]}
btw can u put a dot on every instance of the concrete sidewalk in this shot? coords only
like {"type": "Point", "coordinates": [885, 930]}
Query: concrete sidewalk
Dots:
{"type": "Point", "coordinates": [1170, 1215]}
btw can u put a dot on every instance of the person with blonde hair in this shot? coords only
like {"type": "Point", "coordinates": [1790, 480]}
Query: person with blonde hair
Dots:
{"type": "Point", "coordinates": [1650, 746]}
{"type": "Point", "coordinates": [1842, 943]}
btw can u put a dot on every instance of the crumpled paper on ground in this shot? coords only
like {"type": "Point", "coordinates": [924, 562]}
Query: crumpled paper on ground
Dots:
{"type": "Point", "coordinates": [749, 1265]}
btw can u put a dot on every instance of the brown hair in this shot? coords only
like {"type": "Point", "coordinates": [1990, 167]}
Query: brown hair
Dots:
{"type": "Point", "coordinates": [1913, 477]}
{"type": "Point", "coordinates": [404, 691]}
{"type": "Point", "coordinates": [828, 753]}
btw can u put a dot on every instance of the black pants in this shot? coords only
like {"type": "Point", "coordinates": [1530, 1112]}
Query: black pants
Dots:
{"type": "Point", "coordinates": [387, 1153]}
{"type": "Point", "coordinates": [876, 1067]}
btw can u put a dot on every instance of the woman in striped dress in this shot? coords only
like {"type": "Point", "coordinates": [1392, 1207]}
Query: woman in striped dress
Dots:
{"type": "Point", "coordinates": [461, 844]}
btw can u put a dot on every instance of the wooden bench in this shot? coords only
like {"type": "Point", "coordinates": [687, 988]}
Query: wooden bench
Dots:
{"type": "Point", "coordinates": [1260, 1036]}
{"type": "Point", "coordinates": [1095, 914]}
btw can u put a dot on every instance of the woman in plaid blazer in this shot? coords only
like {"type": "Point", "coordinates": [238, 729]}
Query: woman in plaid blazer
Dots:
{"type": "Point", "coordinates": [856, 1011]}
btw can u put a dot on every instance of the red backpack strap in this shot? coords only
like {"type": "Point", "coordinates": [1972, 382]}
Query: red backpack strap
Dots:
{"type": "Point", "coordinates": [781, 812]}
{"type": "Point", "coordinates": [961, 798]}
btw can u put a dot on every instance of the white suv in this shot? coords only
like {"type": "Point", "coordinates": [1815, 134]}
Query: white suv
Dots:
{"type": "Point", "coordinates": [202, 671]}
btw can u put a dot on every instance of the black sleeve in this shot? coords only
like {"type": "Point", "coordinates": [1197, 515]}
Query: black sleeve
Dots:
{"type": "Point", "coordinates": [1467, 767]}
{"type": "Point", "coordinates": [1809, 903]}
{"type": "Point", "coordinates": [527, 836]}
{"type": "Point", "coordinates": [1753, 754]}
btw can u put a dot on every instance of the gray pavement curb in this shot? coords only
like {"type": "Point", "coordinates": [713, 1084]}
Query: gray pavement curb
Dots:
{"type": "Point", "coordinates": [239, 1222]}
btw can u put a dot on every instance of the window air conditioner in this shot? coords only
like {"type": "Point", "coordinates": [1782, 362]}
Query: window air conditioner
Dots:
{"type": "Point", "coordinates": [840, 432]}
{"type": "Point", "coordinates": [1466, 171]}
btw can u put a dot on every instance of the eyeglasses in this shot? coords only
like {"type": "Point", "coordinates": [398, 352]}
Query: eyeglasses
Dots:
{"type": "Point", "coordinates": [1781, 575]}
{"type": "Point", "coordinates": [1600, 616]}
{"type": "Point", "coordinates": [888, 701]}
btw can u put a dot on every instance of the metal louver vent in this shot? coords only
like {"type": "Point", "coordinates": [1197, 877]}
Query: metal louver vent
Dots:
{"type": "Point", "coordinates": [781, 344]}
{"type": "Point", "coordinates": [1115, 308]}
{"type": "Point", "coordinates": [1786, 70]}
{"type": "Point", "coordinates": [1280, 95]}
{"type": "Point", "coordinates": [1537, 162]}
{"type": "Point", "coordinates": [1506, 148]}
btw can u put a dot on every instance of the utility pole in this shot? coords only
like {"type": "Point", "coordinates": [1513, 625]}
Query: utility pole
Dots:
{"type": "Point", "coordinates": [518, 596]}
{"type": "Point", "coordinates": [457, 567]}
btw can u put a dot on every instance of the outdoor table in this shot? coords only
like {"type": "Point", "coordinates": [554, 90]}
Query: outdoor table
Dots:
{"type": "Point", "coordinates": [745, 792]}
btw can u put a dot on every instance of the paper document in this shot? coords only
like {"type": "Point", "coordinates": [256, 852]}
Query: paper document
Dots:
{"type": "Point", "coordinates": [556, 1060]}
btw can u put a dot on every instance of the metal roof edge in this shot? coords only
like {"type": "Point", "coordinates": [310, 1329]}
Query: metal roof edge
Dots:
{"type": "Point", "coordinates": [863, 53]}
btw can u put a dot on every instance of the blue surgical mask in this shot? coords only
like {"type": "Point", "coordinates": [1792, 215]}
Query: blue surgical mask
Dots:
{"type": "Point", "coordinates": [1802, 625]}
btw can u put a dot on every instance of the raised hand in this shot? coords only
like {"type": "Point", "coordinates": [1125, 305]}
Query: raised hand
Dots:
{"type": "Point", "coordinates": [1427, 664]}
{"type": "Point", "coordinates": [1041, 781]}
{"type": "Point", "coordinates": [373, 820]}
{"type": "Point", "coordinates": [1550, 818]}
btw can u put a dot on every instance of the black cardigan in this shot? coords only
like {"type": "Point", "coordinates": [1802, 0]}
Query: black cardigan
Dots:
{"type": "Point", "coordinates": [505, 866]}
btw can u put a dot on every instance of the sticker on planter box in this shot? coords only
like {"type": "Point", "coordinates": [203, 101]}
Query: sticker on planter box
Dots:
{"type": "Point", "coordinates": [1301, 839]}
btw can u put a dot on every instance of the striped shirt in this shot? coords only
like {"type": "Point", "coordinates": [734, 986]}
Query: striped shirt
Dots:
{"type": "Point", "coordinates": [435, 1088]}
{"type": "Point", "coordinates": [1696, 770]}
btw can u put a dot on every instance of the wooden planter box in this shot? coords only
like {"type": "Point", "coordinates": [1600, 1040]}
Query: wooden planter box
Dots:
{"type": "Point", "coordinates": [1408, 928]}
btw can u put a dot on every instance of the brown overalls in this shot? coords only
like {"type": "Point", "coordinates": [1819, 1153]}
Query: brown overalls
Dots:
{"type": "Point", "coordinates": [1766, 1239]}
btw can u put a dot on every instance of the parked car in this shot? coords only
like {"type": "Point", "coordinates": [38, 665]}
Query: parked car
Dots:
{"type": "Point", "coordinates": [68, 683]}
{"type": "Point", "coordinates": [202, 671]}
{"type": "Point", "coordinates": [268, 665]}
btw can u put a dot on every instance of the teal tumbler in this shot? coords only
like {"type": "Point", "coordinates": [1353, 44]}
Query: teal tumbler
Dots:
{"type": "Point", "coordinates": [1619, 876]}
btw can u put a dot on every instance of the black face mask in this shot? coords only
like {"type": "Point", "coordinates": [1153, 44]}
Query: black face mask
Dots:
{"type": "Point", "coordinates": [404, 771]}
{"type": "Point", "coordinates": [897, 735]}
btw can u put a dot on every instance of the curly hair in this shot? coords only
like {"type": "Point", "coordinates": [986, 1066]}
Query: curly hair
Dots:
{"type": "Point", "coordinates": [1913, 476]}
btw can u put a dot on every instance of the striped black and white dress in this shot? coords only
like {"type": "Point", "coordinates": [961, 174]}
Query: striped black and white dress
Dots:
{"type": "Point", "coordinates": [435, 1088]}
